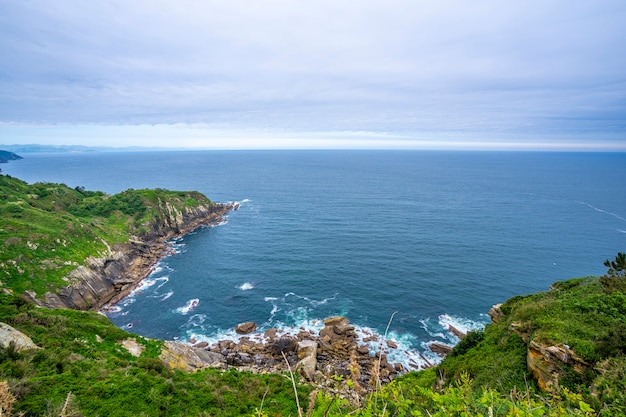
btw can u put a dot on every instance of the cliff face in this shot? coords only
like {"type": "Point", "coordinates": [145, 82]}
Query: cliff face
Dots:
{"type": "Point", "coordinates": [106, 279]}
{"type": "Point", "coordinates": [548, 362]}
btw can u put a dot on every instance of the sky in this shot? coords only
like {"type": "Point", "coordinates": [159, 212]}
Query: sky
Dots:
{"type": "Point", "coordinates": [395, 74]}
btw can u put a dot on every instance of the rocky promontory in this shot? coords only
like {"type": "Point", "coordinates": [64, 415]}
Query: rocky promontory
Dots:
{"type": "Point", "coordinates": [108, 278]}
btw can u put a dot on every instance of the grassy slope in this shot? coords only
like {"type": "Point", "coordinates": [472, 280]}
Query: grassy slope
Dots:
{"type": "Point", "coordinates": [46, 229]}
{"type": "Point", "coordinates": [82, 355]}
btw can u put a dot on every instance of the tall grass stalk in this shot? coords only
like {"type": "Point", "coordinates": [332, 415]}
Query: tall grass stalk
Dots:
{"type": "Point", "coordinates": [293, 382]}
{"type": "Point", "coordinates": [380, 358]}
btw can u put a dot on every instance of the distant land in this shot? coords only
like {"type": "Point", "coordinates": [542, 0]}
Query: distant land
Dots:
{"type": "Point", "coordinates": [6, 156]}
{"type": "Point", "coordinates": [36, 148]}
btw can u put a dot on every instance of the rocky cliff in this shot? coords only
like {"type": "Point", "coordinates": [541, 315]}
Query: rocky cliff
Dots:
{"type": "Point", "coordinates": [111, 276]}
{"type": "Point", "coordinates": [548, 362]}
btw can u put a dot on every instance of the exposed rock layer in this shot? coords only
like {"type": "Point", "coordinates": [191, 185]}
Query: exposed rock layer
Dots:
{"type": "Point", "coordinates": [109, 278]}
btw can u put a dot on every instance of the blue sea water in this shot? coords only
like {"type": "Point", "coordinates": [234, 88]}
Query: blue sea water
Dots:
{"type": "Point", "coordinates": [437, 237]}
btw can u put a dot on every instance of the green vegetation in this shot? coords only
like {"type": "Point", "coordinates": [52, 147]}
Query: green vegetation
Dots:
{"type": "Point", "coordinates": [487, 372]}
{"type": "Point", "coordinates": [46, 230]}
{"type": "Point", "coordinates": [83, 370]}
{"type": "Point", "coordinates": [82, 360]}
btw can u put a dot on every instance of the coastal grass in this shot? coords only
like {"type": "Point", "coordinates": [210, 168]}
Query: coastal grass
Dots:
{"type": "Point", "coordinates": [47, 230]}
{"type": "Point", "coordinates": [82, 354]}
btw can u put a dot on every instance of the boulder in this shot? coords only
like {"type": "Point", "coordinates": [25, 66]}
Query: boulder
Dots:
{"type": "Point", "coordinates": [245, 328]}
{"type": "Point", "coordinates": [440, 349]}
{"type": "Point", "coordinates": [548, 363]}
{"type": "Point", "coordinates": [495, 313]}
{"type": "Point", "coordinates": [283, 344]}
{"type": "Point", "coordinates": [270, 333]}
{"type": "Point", "coordinates": [10, 335]}
{"type": "Point", "coordinates": [307, 354]}
{"type": "Point", "coordinates": [133, 347]}
{"type": "Point", "coordinates": [458, 333]}
{"type": "Point", "coordinates": [186, 358]}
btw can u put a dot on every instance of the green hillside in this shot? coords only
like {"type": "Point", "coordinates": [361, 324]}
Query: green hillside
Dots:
{"type": "Point", "coordinates": [47, 230]}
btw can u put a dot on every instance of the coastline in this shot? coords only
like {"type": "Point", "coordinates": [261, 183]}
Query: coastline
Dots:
{"type": "Point", "coordinates": [163, 248]}
{"type": "Point", "coordinates": [105, 280]}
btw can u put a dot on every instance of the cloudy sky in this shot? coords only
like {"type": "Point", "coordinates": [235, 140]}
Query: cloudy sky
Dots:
{"type": "Point", "coordinates": [533, 74]}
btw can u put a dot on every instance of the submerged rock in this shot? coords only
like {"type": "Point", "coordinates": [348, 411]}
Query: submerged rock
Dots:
{"type": "Point", "coordinates": [440, 349]}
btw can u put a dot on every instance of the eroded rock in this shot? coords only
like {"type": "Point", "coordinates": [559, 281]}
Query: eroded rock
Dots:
{"type": "Point", "coordinates": [133, 347]}
{"type": "Point", "coordinates": [549, 362]}
{"type": "Point", "coordinates": [186, 358]}
{"type": "Point", "coordinates": [495, 313]}
{"type": "Point", "coordinates": [10, 335]}
{"type": "Point", "coordinates": [246, 328]}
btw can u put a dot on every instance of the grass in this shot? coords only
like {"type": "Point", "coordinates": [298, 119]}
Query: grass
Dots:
{"type": "Point", "coordinates": [46, 229]}
{"type": "Point", "coordinates": [82, 354]}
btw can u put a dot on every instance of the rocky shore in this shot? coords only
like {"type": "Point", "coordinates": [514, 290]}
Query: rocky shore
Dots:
{"type": "Point", "coordinates": [107, 278]}
{"type": "Point", "coordinates": [334, 359]}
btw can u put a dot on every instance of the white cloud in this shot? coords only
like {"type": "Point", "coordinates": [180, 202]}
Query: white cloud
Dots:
{"type": "Point", "coordinates": [550, 68]}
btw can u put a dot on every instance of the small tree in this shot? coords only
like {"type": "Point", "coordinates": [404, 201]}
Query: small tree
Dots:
{"type": "Point", "coordinates": [615, 278]}
{"type": "Point", "coordinates": [618, 266]}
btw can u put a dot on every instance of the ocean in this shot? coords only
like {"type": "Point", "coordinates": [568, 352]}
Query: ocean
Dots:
{"type": "Point", "coordinates": [435, 237]}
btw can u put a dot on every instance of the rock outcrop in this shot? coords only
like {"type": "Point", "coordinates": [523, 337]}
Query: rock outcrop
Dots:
{"type": "Point", "coordinates": [11, 336]}
{"type": "Point", "coordinates": [245, 328]}
{"type": "Point", "coordinates": [495, 313]}
{"type": "Point", "coordinates": [324, 359]}
{"type": "Point", "coordinates": [133, 347]}
{"type": "Point", "coordinates": [186, 358]}
{"type": "Point", "coordinates": [111, 276]}
{"type": "Point", "coordinates": [548, 363]}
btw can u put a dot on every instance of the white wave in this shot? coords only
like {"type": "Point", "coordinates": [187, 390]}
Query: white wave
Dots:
{"type": "Point", "coordinates": [147, 283]}
{"type": "Point", "coordinates": [128, 301]}
{"type": "Point", "coordinates": [165, 296]}
{"type": "Point", "coordinates": [270, 299]}
{"type": "Point", "coordinates": [191, 304]}
{"type": "Point", "coordinates": [314, 303]}
{"type": "Point", "coordinates": [425, 324]}
{"type": "Point", "coordinates": [246, 286]}
{"type": "Point", "coordinates": [157, 269]}
{"type": "Point", "coordinates": [196, 320]}
{"type": "Point", "coordinates": [275, 310]}
{"type": "Point", "coordinates": [460, 323]}
{"type": "Point", "coordinates": [621, 231]}
{"type": "Point", "coordinates": [601, 211]}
